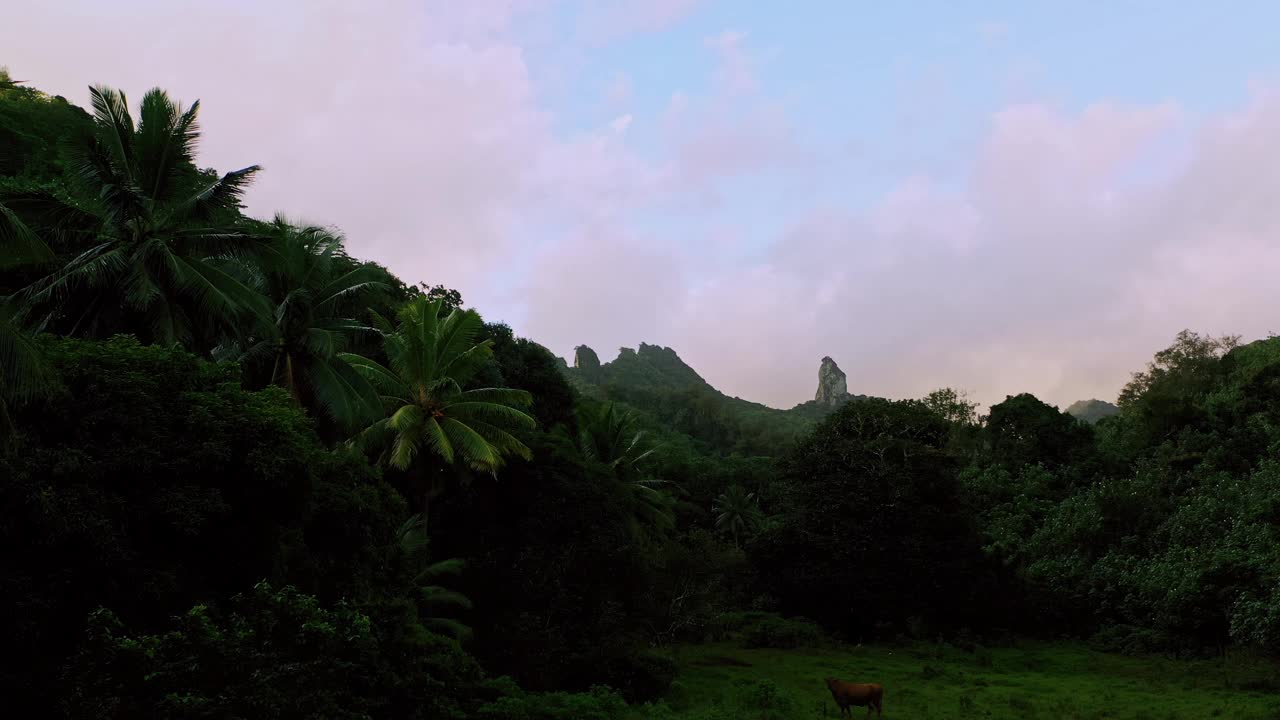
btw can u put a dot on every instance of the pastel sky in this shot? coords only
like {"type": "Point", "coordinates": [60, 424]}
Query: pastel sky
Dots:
{"type": "Point", "coordinates": [995, 196]}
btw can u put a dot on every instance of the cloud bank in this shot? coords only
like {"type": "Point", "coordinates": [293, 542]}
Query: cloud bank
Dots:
{"type": "Point", "coordinates": [1072, 243]}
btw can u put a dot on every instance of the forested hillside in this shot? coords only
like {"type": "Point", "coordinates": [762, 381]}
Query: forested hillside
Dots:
{"type": "Point", "coordinates": [245, 474]}
{"type": "Point", "coordinates": [655, 381]}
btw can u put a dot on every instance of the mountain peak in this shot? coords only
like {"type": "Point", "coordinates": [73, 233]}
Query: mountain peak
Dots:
{"type": "Point", "coordinates": [833, 386]}
{"type": "Point", "coordinates": [1091, 411]}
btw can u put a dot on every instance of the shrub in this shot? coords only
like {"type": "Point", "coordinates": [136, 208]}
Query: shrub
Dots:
{"type": "Point", "coordinates": [278, 654]}
{"type": "Point", "coordinates": [782, 633]}
{"type": "Point", "coordinates": [1130, 640]}
{"type": "Point", "coordinates": [639, 676]}
{"type": "Point", "coordinates": [600, 703]}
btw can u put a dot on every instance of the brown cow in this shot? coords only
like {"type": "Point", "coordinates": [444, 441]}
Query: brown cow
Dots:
{"type": "Point", "coordinates": [847, 693]}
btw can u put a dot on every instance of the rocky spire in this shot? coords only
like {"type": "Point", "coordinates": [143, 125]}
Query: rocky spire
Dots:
{"type": "Point", "coordinates": [587, 363]}
{"type": "Point", "coordinates": [832, 387]}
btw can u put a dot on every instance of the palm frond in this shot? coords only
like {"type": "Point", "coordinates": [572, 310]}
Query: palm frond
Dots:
{"type": "Point", "coordinates": [407, 422]}
{"type": "Point", "coordinates": [23, 373]}
{"type": "Point", "coordinates": [411, 536]}
{"type": "Point", "coordinates": [447, 627]}
{"type": "Point", "coordinates": [438, 440]}
{"type": "Point", "coordinates": [438, 597]}
{"type": "Point", "coordinates": [165, 143]}
{"type": "Point", "coordinates": [19, 245]}
{"type": "Point", "coordinates": [347, 286]}
{"type": "Point", "coordinates": [489, 412]}
{"type": "Point", "coordinates": [115, 125]}
{"type": "Point", "coordinates": [217, 196]}
{"type": "Point", "coordinates": [119, 196]}
{"type": "Point", "coordinates": [386, 382]}
{"type": "Point", "coordinates": [344, 393]}
{"type": "Point", "coordinates": [474, 451]}
{"type": "Point", "coordinates": [452, 566]}
{"type": "Point", "coordinates": [456, 338]}
{"type": "Point", "coordinates": [218, 293]}
{"type": "Point", "coordinates": [98, 266]}
{"type": "Point", "coordinates": [501, 440]}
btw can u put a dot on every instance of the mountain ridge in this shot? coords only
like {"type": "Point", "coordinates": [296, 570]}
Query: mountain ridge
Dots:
{"type": "Point", "coordinates": [655, 380]}
{"type": "Point", "coordinates": [1091, 411]}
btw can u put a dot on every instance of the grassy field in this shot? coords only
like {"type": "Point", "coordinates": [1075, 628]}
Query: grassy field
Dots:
{"type": "Point", "coordinates": [935, 682]}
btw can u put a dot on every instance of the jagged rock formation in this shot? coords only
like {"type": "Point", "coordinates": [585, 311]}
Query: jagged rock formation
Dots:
{"type": "Point", "coordinates": [1091, 411]}
{"type": "Point", "coordinates": [587, 363]}
{"type": "Point", "coordinates": [833, 387]}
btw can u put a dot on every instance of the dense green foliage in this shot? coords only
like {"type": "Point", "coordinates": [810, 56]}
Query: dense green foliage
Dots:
{"type": "Point", "coordinates": [247, 475]}
{"type": "Point", "coordinates": [870, 501]}
{"type": "Point", "coordinates": [655, 380]}
{"type": "Point", "coordinates": [1161, 526]}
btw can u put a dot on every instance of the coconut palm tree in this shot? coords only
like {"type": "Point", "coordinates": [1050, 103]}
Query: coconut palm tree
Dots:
{"type": "Point", "coordinates": [314, 291]}
{"type": "Point", "coordinates": [737, 512]}
{"type": "Point", "coordinates": [152, 232]}
{"type": "Point", "coordinates": [437, 601]}
{"type": "Point", "coordinates": [431, 359]}
{"type": "Point", "coordinates": [608, 435]}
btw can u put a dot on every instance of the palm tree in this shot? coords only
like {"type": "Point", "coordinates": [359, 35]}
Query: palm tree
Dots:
{"type": "Point", "coordinates": [313, 289]}
{"type": "Point", "coordinates": [155, 228]}
{"type": "Point", "coordinates": [608, 436]}
{"type": "Point", "coordinates": [431, 359]}
{"type": "Point", "coordinates": [737, 512]}
{"type": "Point", "coordinates": [436, 599]}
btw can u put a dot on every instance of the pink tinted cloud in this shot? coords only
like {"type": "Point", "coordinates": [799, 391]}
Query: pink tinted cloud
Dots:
{"type": "Point", "coordinates": [604, 22]}
{"type": "Point", "coordinates": [410, 127]}
{"type": "Point", "coordinates": [1059, 264]}
{"type": "Point", "coordinates": [1048, 272]}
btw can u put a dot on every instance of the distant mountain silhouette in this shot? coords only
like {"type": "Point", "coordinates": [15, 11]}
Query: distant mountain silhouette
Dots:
{"type": "Point", "coordinates": [1091, 411]}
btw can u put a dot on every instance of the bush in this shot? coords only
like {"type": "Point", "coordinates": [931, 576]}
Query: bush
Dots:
{"type": "Point", "coordinates": [782, 633]}
{"type": "Point", "coordinates": [278, 655]}
{"type": "Point", "coordinates": [765, 630]}
{"type": "Point", "coordinates": [730, 624]}
{"type": "Point", "coordinates": [600, 703]}
{"type": "Point", "coordinates": [638, 676]}
{"type": "Point", "coordinates": [1130, 640]}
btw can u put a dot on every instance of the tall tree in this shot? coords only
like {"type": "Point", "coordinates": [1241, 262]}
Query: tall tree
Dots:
{"type": "Point", "coordinates": [315, 291]}
{"type": "Point", "coordinates": [153, 229]}
{"type": "Point", "coordinates": [738, 512]}
{"type": "Point", "coordinates": [609, 436]}
{"type": "Point", "coordinates": [872, 488]}
{"type": "Point", "coordinates": [431, 361]}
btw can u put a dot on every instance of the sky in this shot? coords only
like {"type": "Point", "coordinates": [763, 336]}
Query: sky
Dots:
{"type": "Point", "coordinates": [999, 197]}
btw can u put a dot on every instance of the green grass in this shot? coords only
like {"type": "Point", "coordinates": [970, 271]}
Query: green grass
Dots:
{"type": "Point", "coordinates": [1032, 680]}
